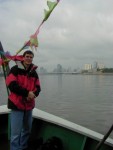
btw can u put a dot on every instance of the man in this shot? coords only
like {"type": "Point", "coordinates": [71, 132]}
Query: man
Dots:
{"type": "Point", "coordinates": [24, 86]}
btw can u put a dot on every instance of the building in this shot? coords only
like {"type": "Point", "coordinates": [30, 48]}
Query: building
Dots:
{"type": "Point", "coordinates": [59, 68]}
{"type": "Point", "coordinates": [101, 66]}
{"type": "Point", "coordinates": [88, 67]}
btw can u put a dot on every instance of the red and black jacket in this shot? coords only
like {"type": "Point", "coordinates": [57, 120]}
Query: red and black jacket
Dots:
{"type": "Point", "coordinates": [20, 81]}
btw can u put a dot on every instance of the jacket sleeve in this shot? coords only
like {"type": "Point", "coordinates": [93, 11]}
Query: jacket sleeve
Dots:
{"type": "Point", "coordinates": [13, 85]}
{"type": "Point", "coordinates": [37, 86]}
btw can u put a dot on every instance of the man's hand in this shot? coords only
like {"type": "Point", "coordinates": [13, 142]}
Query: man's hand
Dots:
{"type": "Point", "coordinates": [31, 95]}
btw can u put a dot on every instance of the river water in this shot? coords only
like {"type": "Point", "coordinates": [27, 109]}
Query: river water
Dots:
{"type": "Point", "coordinates": [86, 100]}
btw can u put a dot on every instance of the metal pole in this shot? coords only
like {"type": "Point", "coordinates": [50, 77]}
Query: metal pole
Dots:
{"type": "Point", "coordinates": [5, 71]}
{"type": "Point", "coordinates": [104, 138]}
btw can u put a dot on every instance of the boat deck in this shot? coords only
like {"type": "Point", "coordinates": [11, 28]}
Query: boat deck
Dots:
{"type": "Point", "coordinates": [45, 126]}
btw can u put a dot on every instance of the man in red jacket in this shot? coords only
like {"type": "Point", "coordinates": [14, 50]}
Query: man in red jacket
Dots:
{"type": "Point", "coordinates": [23, 83]}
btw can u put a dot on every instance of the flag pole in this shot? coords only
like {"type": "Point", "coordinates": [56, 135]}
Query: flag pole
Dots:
{"type": "Point", "coordinates": [5, 73]}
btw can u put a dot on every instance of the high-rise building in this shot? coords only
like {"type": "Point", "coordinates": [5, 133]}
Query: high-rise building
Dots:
{"type": "Point", "coordinates": [59, 68]}
{"type": "Point", "coordinates": [95, 65]}
{"type": "Point", "coordinates": [87, 66]}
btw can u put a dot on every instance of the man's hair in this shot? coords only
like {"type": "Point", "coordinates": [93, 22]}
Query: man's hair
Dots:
{"type": "Point", "coordinates": [28, 52]}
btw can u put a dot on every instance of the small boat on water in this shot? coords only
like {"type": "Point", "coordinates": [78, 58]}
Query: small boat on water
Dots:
{"type": "Point", "coordinates": [46, 126]}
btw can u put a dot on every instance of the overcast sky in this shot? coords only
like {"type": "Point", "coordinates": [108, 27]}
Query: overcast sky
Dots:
{"type": "Point", "coordinates": [77, 32]}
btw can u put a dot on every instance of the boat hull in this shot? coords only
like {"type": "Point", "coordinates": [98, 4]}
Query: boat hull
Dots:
{"type": "Point", "coordinates": [45, 126]}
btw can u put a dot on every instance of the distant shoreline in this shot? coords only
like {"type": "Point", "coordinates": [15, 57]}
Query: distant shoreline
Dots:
{"type": "Point", "coordinates": [97, 73]}
{"type": "Point", "coordinates": [74, 73]}
{"type": "Point", "coordinates": [70, 73]}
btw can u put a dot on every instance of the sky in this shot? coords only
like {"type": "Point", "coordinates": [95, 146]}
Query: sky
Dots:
{"type": "Point", "coordinates": [77, 32]}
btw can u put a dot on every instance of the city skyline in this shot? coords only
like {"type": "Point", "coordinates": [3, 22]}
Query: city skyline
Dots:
{"type": "Point", "coordinates": [87, 66]}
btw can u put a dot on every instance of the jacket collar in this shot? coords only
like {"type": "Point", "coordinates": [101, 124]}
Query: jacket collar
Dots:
{"type": "Point", "coordinates": [31, 68]}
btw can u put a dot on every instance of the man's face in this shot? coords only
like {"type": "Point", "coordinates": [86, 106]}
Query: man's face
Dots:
{"type": "Point", "coordinates": [28, 58]}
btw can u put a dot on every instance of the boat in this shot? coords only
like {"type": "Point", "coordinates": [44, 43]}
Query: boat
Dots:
{"type": "Point", "coordinates": [46, 126]}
